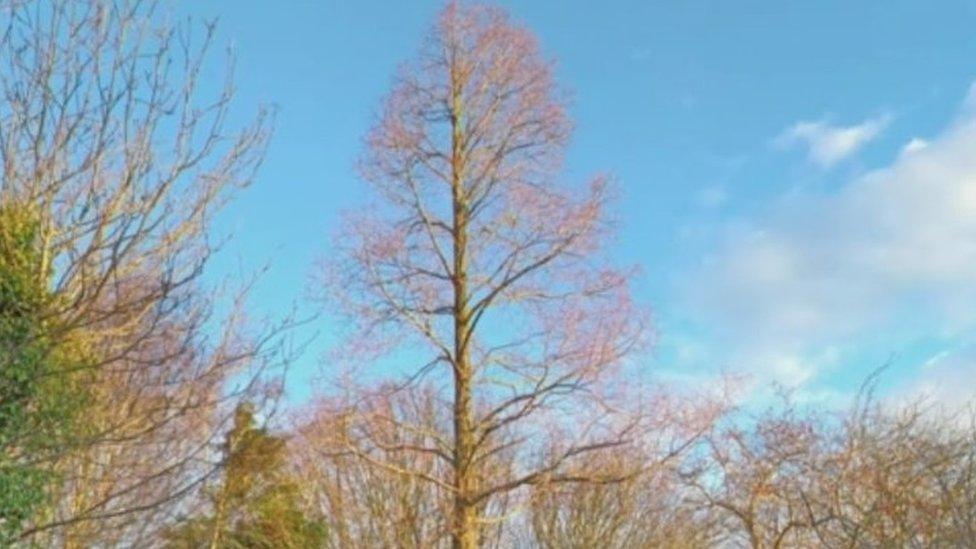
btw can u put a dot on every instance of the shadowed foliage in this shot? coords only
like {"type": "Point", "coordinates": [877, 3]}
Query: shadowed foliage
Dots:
{"type": "Point", "coordinates": [257, 502]}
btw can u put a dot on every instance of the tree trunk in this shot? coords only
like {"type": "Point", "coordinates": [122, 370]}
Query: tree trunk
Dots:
{"type": "Point", "coordinates": [465, 520]}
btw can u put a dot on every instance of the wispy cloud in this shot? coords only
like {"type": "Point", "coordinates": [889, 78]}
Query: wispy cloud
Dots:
{"type": "Point", "coordinates": [891, 252]}
{"type": "Point", "coordinates": [828, 144]}
{"type": "Point", "coordinates": [916, 144]}
{"type": "Point", "coordinates": [948, 378]}
{"type": "Point", "coordinates": [944, 384]}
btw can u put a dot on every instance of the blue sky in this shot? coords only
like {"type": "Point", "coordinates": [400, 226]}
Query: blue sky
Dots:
{"type": "Point", "coordinates": [798, 179]}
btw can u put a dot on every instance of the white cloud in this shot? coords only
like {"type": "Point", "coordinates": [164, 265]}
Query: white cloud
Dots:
{"type": "Point", "coordinates": [892, 254]}
{"type": "Point", "coordinates": [948, 379]}
{"type": "Point", "coordinates": [944, 384]}
{"type": "Point", "coordinates": [916, 144]}
{"type": "Point", "coordinates": [827, 144]}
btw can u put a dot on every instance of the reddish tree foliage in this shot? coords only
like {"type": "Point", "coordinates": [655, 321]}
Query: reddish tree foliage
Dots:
{"type": "Point", "coordinates": [478, 257]}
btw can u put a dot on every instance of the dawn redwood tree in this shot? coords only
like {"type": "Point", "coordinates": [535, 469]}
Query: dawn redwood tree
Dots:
{"type": "Point", "coordinates": [480, 265]}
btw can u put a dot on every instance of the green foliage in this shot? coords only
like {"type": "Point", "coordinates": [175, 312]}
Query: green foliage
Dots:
{"type": "Point", "coordinates": [39, 395]}
{"type": "Point", "coordinates": [258, 502]}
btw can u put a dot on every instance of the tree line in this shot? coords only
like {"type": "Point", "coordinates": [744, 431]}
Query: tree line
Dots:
{"type": "Point", "coordinates": [488, 388]}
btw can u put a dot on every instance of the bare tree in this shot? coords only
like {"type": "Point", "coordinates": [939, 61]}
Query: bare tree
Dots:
{"type": "Point", "coordinates": [479, 262]}
{"type": "Point", "coordinates": [761, 482]}
{"type": "Point", "coordinates": [901, 477]}
{"type": "Point", "coordinates": [648, 503]}
{"type": "Point", "coordinates": [383, 506]}
{"type": "Point", "coordinates": [872, 475]}
{"type": "Point", "coordinates": [102, 131]}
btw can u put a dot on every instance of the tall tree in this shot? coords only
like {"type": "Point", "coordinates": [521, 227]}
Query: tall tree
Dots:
{"type": "Point", "coordinates": [478, 255]}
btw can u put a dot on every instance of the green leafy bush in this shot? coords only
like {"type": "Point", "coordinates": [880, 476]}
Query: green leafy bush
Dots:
{"type": "Point", "coordinates": [39, 391]}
